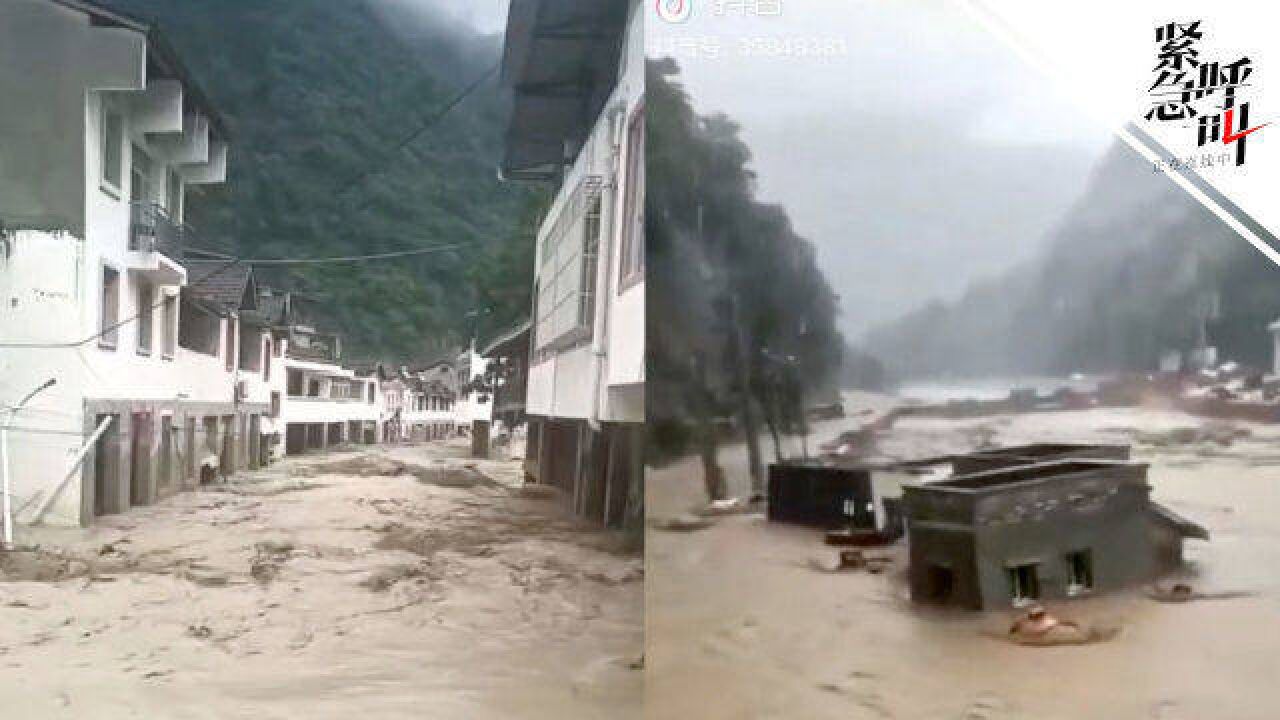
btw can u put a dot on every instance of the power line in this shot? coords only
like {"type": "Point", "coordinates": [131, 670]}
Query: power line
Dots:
{"type": "Point", "coordinates": [343, 187]}
{"type": "Point", "coordinates": [354, 258]}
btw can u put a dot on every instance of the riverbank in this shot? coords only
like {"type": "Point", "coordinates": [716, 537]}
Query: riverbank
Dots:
{"type": "Point", "coordinates": [742, 622]}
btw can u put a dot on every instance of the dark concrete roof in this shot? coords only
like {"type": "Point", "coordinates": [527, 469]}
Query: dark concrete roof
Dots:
{"type": "Point", "coordinates": [1182, 525]}
{"type": "Point", "coordinates": [513, 340]}
{"type": "Point", "coordinates": [227, 285]}
{"type": "Point", "coordinates": [561, 60]}
{"type": "Point", "coordinates": [166, 57]}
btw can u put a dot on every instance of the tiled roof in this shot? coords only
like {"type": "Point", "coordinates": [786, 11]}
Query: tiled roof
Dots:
{"type": "Point", "coordinates": [224, 284]}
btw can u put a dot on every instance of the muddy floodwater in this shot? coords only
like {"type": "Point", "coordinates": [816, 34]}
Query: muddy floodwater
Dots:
{"type": "Point", "coordinates": [741, 622]}
{"type": "Point", "coordinates": [404, 582]}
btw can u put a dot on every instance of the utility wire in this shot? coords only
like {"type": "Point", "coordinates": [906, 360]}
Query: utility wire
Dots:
{"type": "Point", "coordinates": [344, 187]}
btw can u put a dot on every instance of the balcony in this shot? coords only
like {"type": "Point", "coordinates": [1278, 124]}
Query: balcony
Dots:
{"type": "Point", "coordinates": [155, 244]}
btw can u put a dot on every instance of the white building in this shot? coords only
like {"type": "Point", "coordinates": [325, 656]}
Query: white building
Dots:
{"type": "Point", "coordinates": [102, 131]}
{"type": "Point", "coordinates": [315, 401]}
{"type": "Point", "coordinates": [431, 407]}
{"type": "Point", "coordinates": [577, 71]}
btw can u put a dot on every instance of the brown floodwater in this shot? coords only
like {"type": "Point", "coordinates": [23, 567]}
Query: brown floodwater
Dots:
{"type": "Point", "coordinates": [740, 625]}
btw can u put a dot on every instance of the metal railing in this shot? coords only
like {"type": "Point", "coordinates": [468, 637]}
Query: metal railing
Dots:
{"type": "Point", "coordinates": [152, 230]}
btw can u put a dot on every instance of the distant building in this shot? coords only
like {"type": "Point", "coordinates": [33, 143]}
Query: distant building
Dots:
{"type": "Point", "coordinates": [317, 402]}
{"type": "Point", "coordinates": [576, 68]}
{"type": "Point", "coordinates": [102, 132]}
{"type": "Point", "coordinates": [1275, 345]}
{"type": "Point", "coordinates": [1056, 529]}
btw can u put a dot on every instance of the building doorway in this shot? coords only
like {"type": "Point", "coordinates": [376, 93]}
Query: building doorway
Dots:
{"type": "Point", "coordinates": [140, 457]}
{"type": "Point", "coordinates": [106, 467]}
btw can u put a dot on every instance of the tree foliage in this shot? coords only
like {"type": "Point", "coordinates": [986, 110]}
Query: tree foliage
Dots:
{"type": "Point", "coordinates": [736, 303]}
{"type": "Point", "coordinates": [318, 94]}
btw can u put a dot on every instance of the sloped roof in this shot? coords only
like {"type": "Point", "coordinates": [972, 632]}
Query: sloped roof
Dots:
{"type": "Point", "coordinates": [221, 283]}
{"type": "Point", "coordinates": [1185, 527]}
{"type": "Point", "coordinates": [561, 59]}
{"type": "Point", "coordinates": [514, 338]}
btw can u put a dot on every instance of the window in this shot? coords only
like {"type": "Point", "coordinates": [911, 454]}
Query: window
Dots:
{"type": "Point", "coordinates": [173, 196]}
{"type": "Point", "coordinates": [371, 393]}
{"type": "Point", "coordinates": [110, 308]}
{"type": "Point", "coordinates": [112, 150]}
{"type": "Point", "coordinates": [275, 404]}
{"type": "Point", "coordinates": [140, 190]}
{"type": "Point", "coordinates": [590, 251]}
{"type": "Point", "coordinates": [170, 325]}
{"type": "Point", "coordinates": [294, 382]}
{"type": "Point", "coordinates": [266, 359]}
{"type": "Point", "coordinates": [566, 278]}
{"type": "Point", "coordinates": [146, 314]}
{"type": "Point", "coordinates": [631, 268]}
{"type": "Point", "coordinates": [313, 388]}
{"type": "Point", "coordinates": [1079, 572]}
{"type": "Point", "coordinates": [1024, 584]}
{"type": "Point", "coordinates": [230, 354]}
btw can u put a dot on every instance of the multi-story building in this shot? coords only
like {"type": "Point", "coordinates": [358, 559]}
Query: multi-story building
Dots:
{"type": "Point", "coordinates": [576, 68]}
{"type": "Point", "coordinates": [431, 404]}
{"type": "Point", "coordinates": [102, 130]}
{"type": "Point", "coordinates": [316, 402]}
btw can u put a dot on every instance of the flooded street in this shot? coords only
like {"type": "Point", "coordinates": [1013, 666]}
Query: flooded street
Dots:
{"type": "Point", "coordinates": [741, 625]}
{"type": "Point", "coordinates": [397, 582]}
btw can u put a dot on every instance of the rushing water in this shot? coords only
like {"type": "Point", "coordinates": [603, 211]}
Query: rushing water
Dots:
{"type": "Point", "coordinates": [935, 390]}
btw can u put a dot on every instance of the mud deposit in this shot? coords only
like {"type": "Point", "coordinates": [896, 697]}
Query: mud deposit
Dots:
{"type": "Point", "coordinates": [405, 583]}
{"type": "Point", "coordinates": [746, 620]}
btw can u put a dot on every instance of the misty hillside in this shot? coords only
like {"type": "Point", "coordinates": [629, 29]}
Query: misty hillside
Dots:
{"type": "Point", "coordinates": [1128, 274]}
{"type": "Point", "coordinates": [319, 91]}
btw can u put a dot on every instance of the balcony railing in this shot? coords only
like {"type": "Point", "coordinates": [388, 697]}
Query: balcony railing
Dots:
{"type": "Point", "coordinates": [153, 231]}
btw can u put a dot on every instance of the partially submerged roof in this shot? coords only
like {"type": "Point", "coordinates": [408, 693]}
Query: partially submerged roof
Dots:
{"type": "Point", "coordinates": [161, 55]}
{"type": "Point", "coordinates": [561, 60]}
{"type": "Point", "coordinates": [1179, 524]}
{"type": "Point", "coordinates": [514, 339]}
{"type": "Point", "coordinates": [229, 285]}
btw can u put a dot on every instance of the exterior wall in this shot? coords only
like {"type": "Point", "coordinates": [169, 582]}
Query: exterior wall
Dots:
{"type": "Point", "coordinates": [324, 409]}
{"type": "Point", "coordinates": [979, 535]}
{"type": "Point", "coordinates": [56, 73]}
{"type": "Point", "coordinates": [602, 377]}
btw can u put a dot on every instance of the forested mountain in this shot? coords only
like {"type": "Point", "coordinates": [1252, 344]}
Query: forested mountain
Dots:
{"type": "Point", "coordinates": [741, 320]}
{"type": "Point", "coordinates": [319, 93]}
{"type": "Point", "coordinates": [1129, 273]}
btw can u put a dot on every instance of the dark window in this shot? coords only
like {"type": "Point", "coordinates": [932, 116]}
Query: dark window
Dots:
{"type": "Point", "coordinates": [1079, 571]}
{"type": "Point", "coordinates": [313, 388]}
{"type": "Point", "coordinates": [112, 148]}
{"type": "Point", "coordinates": [140, 190]}
{"type": "Point", "coordinates": [632, 251]}
{"type": "Point", "coordinates": [275, 404]}
{"type": "Point", "coordinates": [110, 307]}
{"type": "Point", "coordinates": [170, 325]}
{"type": "Point", "coordinates": [294, 382]}
{"type": "Point", "coordinates": [146, 313]}
{"type": "Point", "coordinates": [231, 344]}
{"type": "Point", "coordinates": [1024, 583]}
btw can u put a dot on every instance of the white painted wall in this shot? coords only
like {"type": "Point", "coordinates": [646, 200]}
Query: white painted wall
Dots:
{"type": "Point", "coordinates": [65, 71]}
{"type": "Point", "coordinates": [604, 379]}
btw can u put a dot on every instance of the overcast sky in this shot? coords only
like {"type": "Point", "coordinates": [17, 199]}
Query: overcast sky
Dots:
{"type": "Point", "coordinates": [916, 152]}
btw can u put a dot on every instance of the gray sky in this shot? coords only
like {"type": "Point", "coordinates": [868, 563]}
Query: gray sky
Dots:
{"type": "Point", "coordinates": [915, 152]}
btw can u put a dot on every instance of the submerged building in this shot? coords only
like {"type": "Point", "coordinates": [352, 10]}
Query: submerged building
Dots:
{"type": "Point", "coordinates": [1056, 529]}
{"type": "Point", "coordinates": [576, 68]}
